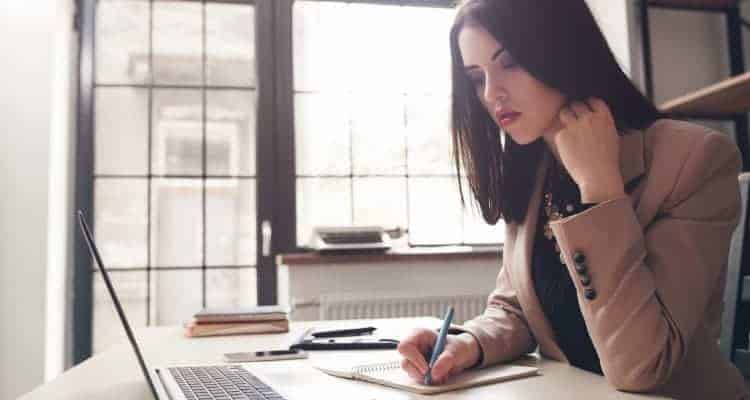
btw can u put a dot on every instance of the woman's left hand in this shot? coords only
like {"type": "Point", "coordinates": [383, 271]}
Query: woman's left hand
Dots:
{"type": "Point", "coordinates": [589, 148]}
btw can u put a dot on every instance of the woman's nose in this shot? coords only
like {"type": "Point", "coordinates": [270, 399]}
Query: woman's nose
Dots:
{"type": "Point", "coordinates": [494, 92]}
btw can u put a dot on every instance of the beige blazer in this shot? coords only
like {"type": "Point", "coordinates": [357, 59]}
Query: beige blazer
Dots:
{"type": "Point", "coordinates": [656, 261]}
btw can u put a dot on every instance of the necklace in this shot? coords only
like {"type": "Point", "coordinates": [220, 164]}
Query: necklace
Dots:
{"type": "Point", "coordinates": [555, 180]}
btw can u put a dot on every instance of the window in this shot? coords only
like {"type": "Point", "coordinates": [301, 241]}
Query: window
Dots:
{"type": "Point", "coordinates": [188, 121]}
{"type": "Point", "coordinates": [174, 160]}
{"type": "Point", "coordinates": [372, 122]}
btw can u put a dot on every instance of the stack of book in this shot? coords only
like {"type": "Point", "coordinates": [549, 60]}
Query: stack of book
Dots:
{"type": "Point", "coordinates": [260, 319]}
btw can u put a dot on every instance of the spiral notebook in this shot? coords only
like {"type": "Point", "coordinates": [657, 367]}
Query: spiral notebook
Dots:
{"type": "Point", "coordinates": [390, 374]}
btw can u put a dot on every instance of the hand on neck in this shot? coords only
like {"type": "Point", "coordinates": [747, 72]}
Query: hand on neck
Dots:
{"type": "Point", "coordinates": [551, 132]}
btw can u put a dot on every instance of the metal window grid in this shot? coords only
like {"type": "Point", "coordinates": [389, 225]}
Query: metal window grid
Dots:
{"type": "Point", "coordinates": [275, 95]}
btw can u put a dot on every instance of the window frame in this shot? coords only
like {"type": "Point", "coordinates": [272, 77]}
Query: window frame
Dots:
{"type": "Point", "coordinates": [275, 170]}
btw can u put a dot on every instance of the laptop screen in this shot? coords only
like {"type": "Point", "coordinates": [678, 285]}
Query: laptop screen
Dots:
{"type": "Point", "coordinates": [98, 260]}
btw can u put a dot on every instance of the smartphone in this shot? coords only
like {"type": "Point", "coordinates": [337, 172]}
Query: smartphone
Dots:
{"type": "Point", "coordinates": [266, 355]}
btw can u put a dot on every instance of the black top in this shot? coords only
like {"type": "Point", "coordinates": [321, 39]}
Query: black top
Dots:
{"type": "Point", "coordinates": [553, 283]}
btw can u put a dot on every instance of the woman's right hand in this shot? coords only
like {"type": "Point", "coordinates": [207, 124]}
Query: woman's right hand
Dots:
{"type": "Point", "coordinates": [460, 352]}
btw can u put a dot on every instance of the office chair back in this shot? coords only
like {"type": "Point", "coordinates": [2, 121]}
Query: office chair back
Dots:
{"type": "Point", "coordinates": [733, 288]}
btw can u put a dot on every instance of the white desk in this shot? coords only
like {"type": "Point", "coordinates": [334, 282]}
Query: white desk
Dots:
{"type": "Point", "coordinates": [114, 374]}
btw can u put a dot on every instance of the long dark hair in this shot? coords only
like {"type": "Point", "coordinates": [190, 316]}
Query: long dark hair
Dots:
{"type": "Point", "coordinates": [558, 43]}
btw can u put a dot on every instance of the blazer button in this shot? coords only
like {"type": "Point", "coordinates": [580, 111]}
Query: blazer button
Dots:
{"type": "Point", "coordinates": [590, 293]}
{"type": "Point", "coordinates": [580, 268]}
{"type": "Point", "coordinates": [578, 257]}
{"type": "Point", "coordinates": [585, 280]}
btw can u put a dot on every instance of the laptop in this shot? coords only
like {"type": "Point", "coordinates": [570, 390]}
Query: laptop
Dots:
{"type": "Point", "coordinates": [208, 382]}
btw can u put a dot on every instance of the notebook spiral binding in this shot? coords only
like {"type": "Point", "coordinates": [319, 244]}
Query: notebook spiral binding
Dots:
{"type": "Point", "coordinates": [375, 368]}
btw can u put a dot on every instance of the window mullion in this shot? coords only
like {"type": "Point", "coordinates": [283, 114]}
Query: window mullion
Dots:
{"type": "Point", "coordinates": [266, 145]}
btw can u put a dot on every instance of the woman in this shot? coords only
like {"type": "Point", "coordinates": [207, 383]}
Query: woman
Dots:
{"type": "Point", "coordinates": [618, 219]}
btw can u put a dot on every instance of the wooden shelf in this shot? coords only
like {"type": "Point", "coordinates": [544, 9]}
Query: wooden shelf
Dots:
{"type": "Point", "coordinates": [727, 97]}
{"type": "Point", "coordinates": [708, 4]}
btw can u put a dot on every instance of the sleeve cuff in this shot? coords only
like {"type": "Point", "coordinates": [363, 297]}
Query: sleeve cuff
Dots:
{"type": "Point", "coordinates": [598, 246]}
{"type": "Point", "coordinates": [583, 207]}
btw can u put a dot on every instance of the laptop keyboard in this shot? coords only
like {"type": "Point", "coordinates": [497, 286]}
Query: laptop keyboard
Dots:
{"type": "Point", "coordinates": [221, 383]}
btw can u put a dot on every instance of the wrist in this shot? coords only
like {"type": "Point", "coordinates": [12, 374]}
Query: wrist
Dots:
{"type": "Point", "coordinates": [598, 193]}
{"type": "Point", "coordinates": [601, 196]}
{"type": "Point", "coordinates": [471, 350]}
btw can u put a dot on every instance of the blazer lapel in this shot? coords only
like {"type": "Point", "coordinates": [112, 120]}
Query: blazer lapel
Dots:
{"type": "Point", "coordinates": [632, 167]}
{"type": "Point", "coordinates": [527, 297]}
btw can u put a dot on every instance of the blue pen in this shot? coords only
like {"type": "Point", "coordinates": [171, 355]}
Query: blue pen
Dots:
{"type": "Point", "coordinates": [439, 345]}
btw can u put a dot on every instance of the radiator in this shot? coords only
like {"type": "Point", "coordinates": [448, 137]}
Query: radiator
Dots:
{"type": "Point", "coordinates": [357, 306]}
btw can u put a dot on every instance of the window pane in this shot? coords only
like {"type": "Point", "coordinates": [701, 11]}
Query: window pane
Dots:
{"type": "Point", "coordinates": [318, 45]}
{"type": "Point", "coordinates": [434, 211]}
{"type": "Point", "coordinates": [230, 132]}
{"type": "Point", "coordinates": [322, 201]}
{"type": "Point", "coordinates": [380, 201]}
{"type": "Point", "coordinates": [230, 222]}
{"type": "Point", "coordinates": [176, 222]}
{"type": "Point", "coordinates": [165, 214]}
{"type": "Point", "coordinates": [378, 138]}
{"type": "Point", "coordinates": [230, 44]}
{"type": "Point", "coordinates": [121, 131]}
{"type": "Point", "coordinates": [374, 56]}
{"type": "Point", "coordinates": [392, 118]}
{"type": "Point", "coordinates": [131, 291]}
{"type": "Point", "coordinates": [177, 132]}
{"type": "Point", "coordinates": [476, 229]}
{"type": "Point", "coordinates": [120, 222]}
{"type": "Point", "coordinates": [178, 43]}
{"type": "Point", "coordinates": [430, 72]}
{"type": "Point", "coordinates": [122, 41]}
{"type": "Point", "coordinates": [321, 131]}
{"type": "Point", "coordinates": [429, 135]}
{"type": "Point", "coordinates": [367, 57]}
{"type": "Point", "coordinates": [175, 296]}
{"type": "Point", "coordinates": [233, 288]}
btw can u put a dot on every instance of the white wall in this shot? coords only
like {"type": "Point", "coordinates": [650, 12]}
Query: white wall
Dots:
{"type": "Point", "coordinates": [613, 19]}
{"type": "Point", "coordinates": [61, 220]}
{"type": "Point", "coordinates": [28, 104]}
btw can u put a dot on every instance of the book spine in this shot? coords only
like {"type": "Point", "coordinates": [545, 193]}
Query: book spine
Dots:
{"type": "Point", "coordinates": [233, 329]}
{"type": "Point", "coordinates": [216, 319]}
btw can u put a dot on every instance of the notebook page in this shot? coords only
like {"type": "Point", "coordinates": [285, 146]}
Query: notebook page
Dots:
{"type": "Point", "coordinates": [391, 374]}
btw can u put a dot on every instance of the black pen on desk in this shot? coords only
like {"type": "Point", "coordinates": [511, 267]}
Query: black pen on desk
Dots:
{"type": "Point", "coordinates": [344, 332]}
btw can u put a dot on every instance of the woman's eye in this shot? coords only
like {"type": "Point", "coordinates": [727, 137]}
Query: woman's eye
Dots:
{"type": "Point", "coordinates": [508, 62]}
